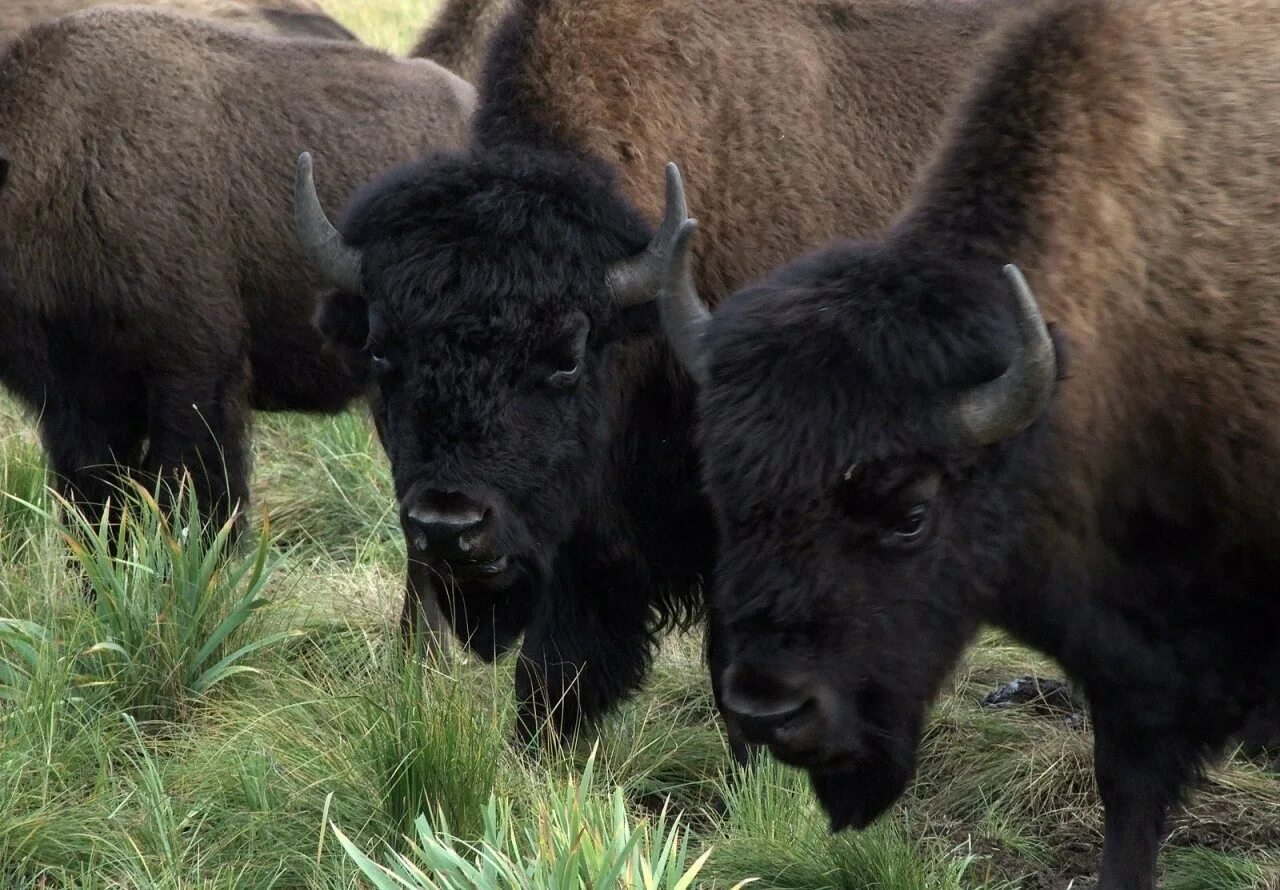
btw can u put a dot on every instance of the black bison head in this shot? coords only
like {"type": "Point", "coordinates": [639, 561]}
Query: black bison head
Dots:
{"type": "Point", "coordinates": [867, 422]}
{"type": "Point", "coordinates": [486, 291]}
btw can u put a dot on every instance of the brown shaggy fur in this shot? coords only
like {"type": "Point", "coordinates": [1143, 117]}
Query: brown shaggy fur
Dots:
{"type": "Point", "coordinates": [284, 18]}
{"type": "Point", "coordinates": [458, 37]}
{"type": "Point", "coordinates": [1126, 154]}
{"type": "Point", "coordinates": [1147, 219]}
{"type": "Point", "coordinates": [146, 228]}
{"type": "Point", "coordinates": [793, 121]}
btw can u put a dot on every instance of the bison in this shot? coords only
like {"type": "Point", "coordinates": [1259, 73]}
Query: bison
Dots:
{"type": "Point", "coordinates": [459, 35]}
{"type": "Point", "coordinates": [539, 432]}
{"type": "Point", "coordinates": [896, 450]}
{"type": "Point", "coordinates": [285, 18]}
{"type": "Point", "coordinates": [152, 293]}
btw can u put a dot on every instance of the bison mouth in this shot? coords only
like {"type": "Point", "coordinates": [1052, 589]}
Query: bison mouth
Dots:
{"type": "Point", "coordinates": [857, 792]}
{"type": "Point", "coordinates": [494, 572]}
{"type": "Point", "coordinates": [489, 605]}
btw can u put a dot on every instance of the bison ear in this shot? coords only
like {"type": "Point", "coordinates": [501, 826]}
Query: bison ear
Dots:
{"type": "Point", "coordinates": [343, 320]}
{"type": "Point", "coordinates": [4, 171]}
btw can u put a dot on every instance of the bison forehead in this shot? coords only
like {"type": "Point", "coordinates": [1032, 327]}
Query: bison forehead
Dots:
{"type": "Point", "coordinates": [845, 355]}
{"type": "Point", "coordinates": [781, 448]}
{"type": "Point", "coordinates": [871, 319]}
{"type": "Point", "coordinates": [539, 227]}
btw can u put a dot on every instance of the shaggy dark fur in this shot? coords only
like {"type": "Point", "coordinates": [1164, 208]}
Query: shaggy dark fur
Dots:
{"type": "Point", "coordinates": [283, 18]}
{"type": "Point", "coordinates": [153, 291]}
{"type": "Point", "coordinates": [1125, 155]}
{"type": "Point", "coordinates": [482, 271]}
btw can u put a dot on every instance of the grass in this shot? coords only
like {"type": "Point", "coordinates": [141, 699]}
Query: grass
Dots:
{"type": "Point", "coordinates": [257, 725]}
{"type": "Point", "coordinates": [391, 24]}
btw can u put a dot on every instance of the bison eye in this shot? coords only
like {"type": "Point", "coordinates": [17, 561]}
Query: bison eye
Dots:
{"type": "Point", "coordinates": [565, 378]}
{"type": "Point", "coordinates": [909, 528]}
{"type": "Point", "coordinates": [382, 366]}
{"type": "Point", "coordinates": [560, 364]}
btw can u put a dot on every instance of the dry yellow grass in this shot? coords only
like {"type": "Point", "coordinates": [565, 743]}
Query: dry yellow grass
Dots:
{"type": "Point", "coordinates": [390, 24]}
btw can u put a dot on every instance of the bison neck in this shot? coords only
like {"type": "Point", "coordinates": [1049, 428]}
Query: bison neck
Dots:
{"type": "Point", "coordinates": [1117, 161]}
{"type": "Point", "coordinates": [650, 516]}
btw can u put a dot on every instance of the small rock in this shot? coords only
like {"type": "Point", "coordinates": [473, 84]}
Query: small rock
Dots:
{"type": "Point", "coordinates": [1043, 695]}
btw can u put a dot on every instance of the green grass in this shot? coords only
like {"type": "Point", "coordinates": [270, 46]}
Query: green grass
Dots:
{"type": "Point", "coordinates": [136, 751]}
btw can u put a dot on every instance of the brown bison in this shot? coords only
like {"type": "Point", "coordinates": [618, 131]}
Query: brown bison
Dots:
{"type": "Point", "coordinates": [539, 433]}
{"type": "Point", "coordinates": [286, 18]}
{"type": "Point", "coordinates": [459, 35]}
{"type": "Point", "coordinates": [153, 293]}
{"type": "Point", "coordinates": [895, 455]}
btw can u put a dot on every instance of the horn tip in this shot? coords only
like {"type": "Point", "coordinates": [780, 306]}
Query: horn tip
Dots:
{"type": "Point", "coordinates": [302, 170]}
{"type": "Point", "coordinates": [1013, 273]}
{"type": "Point", "coordinates": [675, 180]}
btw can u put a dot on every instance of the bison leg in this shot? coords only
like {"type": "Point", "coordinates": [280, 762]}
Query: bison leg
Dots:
{"type": "Point", "coordinates": [585, 651]}
{"type": "Point", "coordinates": [1140, 777]}
{"type": "Point", "coordinates": [199, 425]}
{"type": "Point", "coordinates": [93, 444]}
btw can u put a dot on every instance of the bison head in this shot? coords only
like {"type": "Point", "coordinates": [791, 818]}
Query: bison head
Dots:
{"type": "Point", "coordinates": [489, 293]}
{"type": "Point", "coordinates": [869, 422]}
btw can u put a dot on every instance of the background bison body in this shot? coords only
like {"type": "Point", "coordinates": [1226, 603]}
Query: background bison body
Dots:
{"type": "Point", "coordinates": [458, 37]}
{"type": "Point", "coordinates": [891, 461]}
{"type": "Point", "coordinates": [538, 431]}
{"type": "Point", "coordinates": [153, 293]}
{"type": "Point", "coordinates": [285, 18]}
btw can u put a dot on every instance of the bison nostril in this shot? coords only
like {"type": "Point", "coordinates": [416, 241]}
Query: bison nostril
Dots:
{"type": "Point", "coordinates": [473, 540]}
{"type": "Point", "coordinates": [448, 525]}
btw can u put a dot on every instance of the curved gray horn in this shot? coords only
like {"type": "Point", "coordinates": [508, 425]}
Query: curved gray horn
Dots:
{"type": "Point", "coordinates": [636, 280]}
{"type": "Point", "coordinates": [320, 242]}
{"type": "Point", "coordinates": [1009, 404]}
{"type": "Point", "coordinates": [684, 315]}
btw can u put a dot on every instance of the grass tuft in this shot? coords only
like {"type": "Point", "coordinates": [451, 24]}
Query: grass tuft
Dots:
{"type": "Point", "coordinates": [774, 829]}
{"type": "Point", "coordinates": [576, 838]}
{"type": "Point", "coordinates": [171, 611]}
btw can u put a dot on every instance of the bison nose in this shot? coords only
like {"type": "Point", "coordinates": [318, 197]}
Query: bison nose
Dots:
{"type": "Point", "coordinates": [450, 526]}
{"type": "Point", "coordinates": [771, 709]}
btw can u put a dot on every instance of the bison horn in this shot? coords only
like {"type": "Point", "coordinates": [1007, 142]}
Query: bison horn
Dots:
{"type": "Point", "coordinates": [1009, 404]}
{"type": "Point", "coordinates": [321, 243]}
{"type": "Point", "coordinates": [636, 280]}
{"type": "Point", "coordinates": [684, 316]}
